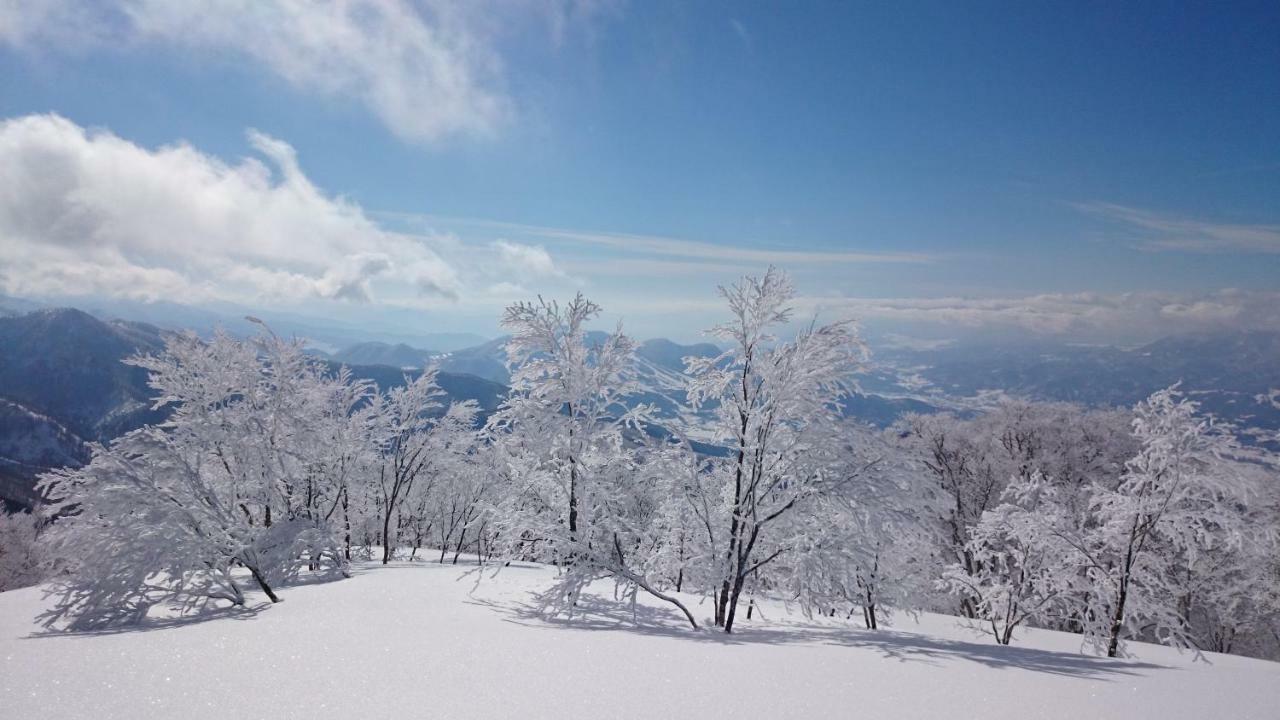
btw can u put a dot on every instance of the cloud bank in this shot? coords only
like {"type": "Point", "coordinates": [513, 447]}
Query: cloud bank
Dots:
{"type": "Point", "coordinates": [1121, 318]}
{"type": "Point", "coordinates": [86, 212]}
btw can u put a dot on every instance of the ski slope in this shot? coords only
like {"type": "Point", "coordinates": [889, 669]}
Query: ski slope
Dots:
{"type": "Point", "coordinates": [429, 641]}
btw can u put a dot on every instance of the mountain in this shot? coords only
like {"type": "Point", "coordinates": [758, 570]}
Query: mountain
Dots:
{"type": "Point", "coordinates": [670, 355]}
{"type": "Point", "coordinates": [487, 360]}
{"type": "Point", "coordinates": [67, 364]}
{"type": "Point", "coordinates": [30, 444]}
{"type": "Point", "coordinates": [1234, 375]}
{"type": "Point", "coordinates": [457, 386]}
{"type": "Point", "coordinates": [63, 383]}
{"type": "Point", "coordinates": [380, 353]}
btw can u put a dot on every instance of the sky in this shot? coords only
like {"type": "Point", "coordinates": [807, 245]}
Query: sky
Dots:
{"type": "Point", "coordinates": [1088, 171]}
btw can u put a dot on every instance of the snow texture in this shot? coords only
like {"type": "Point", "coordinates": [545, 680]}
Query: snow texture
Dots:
{"type": "Point", "coordinates": [427, 640]}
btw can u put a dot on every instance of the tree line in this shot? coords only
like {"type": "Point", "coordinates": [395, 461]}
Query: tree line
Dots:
{"type": "Point", "coordinates": [1151, 524]}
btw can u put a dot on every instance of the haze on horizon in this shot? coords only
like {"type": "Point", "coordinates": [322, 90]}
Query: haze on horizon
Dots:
{"type": "Point", "coordinates": [1085, 172]}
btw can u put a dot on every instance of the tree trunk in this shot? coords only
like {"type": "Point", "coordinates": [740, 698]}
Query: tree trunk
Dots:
{"type": "Point", "coordinates": [573, 483]}
{"type": "Point", "coordinates": [1117, 618]}
{"type": "Point", "coordinates": [262, 583]}
{"type": "Point", "coordinates": [346, 522]}
{"type": "Point", "coordinates": [457, 551]}
{"type": "Point", "coordinates": [721, 601]}
{"type": "Point", "coordinates": [733, 604]}
{"type": "Point", "coordinates": [387, 549]}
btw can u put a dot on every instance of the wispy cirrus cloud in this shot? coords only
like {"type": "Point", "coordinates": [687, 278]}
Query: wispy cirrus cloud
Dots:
{"type": "Point", "coordinates": [645, 254]}
{"type": "Point", "coordinates": [693, 249]}
{"type": "Point", "coordinates": [427, 70]}
{"type": "Point", "coordinates": [1165, 232]}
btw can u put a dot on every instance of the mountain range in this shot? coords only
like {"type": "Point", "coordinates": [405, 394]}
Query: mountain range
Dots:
{"type": "Point", "coordinates": [63, 384]}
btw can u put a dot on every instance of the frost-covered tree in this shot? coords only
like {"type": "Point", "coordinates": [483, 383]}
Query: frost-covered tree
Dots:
{"type": "Point", "coordinates": [777, 406]}
{"type": "Point", "coordinates": [22, 556]}
{"type": "Point", "coordinates": [415, 444]}
{"type": "Point", "coordinates": [1154, 552]}
{"type": "Point", "coordinates": [462, 510]}
{"type": "Point", "coordinates": [870, 547]}
{"type": "Point", "coordinates": [578, 490]}
{"type": "Point", "coordinates": [970, 461]}
{"type": "Point", "coordinates": [1017, 574]}
{"type": "Point", "coordinates": [1181, 495]}
{"type": "Point", "coordinates": [145, 522]}
{"type": "Point", "coordinates": [244, 474]}
{"type": "Point", "coordinates": [265, 416]}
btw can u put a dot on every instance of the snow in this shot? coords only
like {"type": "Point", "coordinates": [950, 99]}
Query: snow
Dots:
{"type": "Point", "coordinates": [425, 640]}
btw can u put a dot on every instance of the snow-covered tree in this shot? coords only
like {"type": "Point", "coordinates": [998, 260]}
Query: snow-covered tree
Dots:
{"type": "Point", "coordinates": [243, 475]}
{"type": "Point", "coordinates": [1017, 574]}
{"type": "Point", "coordinates": [1180, 495]}
{"type": "Point", "coordinates": [970, 461]}
{"type": "Point", "coordinates": [578, 493]}
{"type": "Point", "coordinates": [22, 556]}
{"type": "Point", "coordinates": [415, 444]}
{"type": "Point", "coordinates": [777, 406]}
{"type": "Point", "coordinates": [869, 546]}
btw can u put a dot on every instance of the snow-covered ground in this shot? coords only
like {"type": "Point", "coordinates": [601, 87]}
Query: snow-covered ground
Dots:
{"type": "Point", "coordinates": [426, 641]}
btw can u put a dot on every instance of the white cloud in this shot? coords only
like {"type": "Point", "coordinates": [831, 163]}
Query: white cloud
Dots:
{"type": "Point", "coordinates": [1121, 318]}
{"type": "Point", "coordinates": [1157, 231]}
{"type": "Point", "coordinates": [28, 25]}
{"type": "Point", "coordinates": [672, 247]}
{"type": "Point", "coordinates": [86, 212]}
{"type": "Point", "coordinates": [683, 256]}
{"type": "Point", "coordinates": [428, 69]}
{"type": "Point", "coordinates": [526, 260]}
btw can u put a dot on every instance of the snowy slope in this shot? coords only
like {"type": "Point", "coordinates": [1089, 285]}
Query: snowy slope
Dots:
{"type": "Point", "coordinates": [425, 641]}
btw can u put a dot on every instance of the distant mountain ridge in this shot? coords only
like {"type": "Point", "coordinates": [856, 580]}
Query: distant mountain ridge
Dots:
{"type": "Point", "coordinates": [63, 383]}
{"type": "Point", "coordinates": [379, 353]}
{"type": "Point", "coordinates": [1233, 375]}
{"type": "Point", "coordinates": [32, 443]}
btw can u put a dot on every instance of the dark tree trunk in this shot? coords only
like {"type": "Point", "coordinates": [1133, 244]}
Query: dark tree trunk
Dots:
{"type": "Point", "coordinates": [262, 583]}
{"type": "Point", "coordinates": [346, 523]}
{"type": "Point", "coordinates": [573, 482]}
{"type": "Point", "coordinates": [457, 550]}
{"type": "Point", "coordinates": [387, 548]}
{"type": "Point", "coordinates": [1117, 618]}
{"type": "Point", "coordinates": [733, 604]}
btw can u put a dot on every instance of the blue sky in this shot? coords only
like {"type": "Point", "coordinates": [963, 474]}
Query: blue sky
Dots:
{"type": "Point", "coordinates": [1093, 170]}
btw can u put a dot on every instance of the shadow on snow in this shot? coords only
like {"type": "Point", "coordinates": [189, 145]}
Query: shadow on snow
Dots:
{"type": "Point", "coordinates": [596, 613]}
{"type": "Point", "coordinates": [183, 611]}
